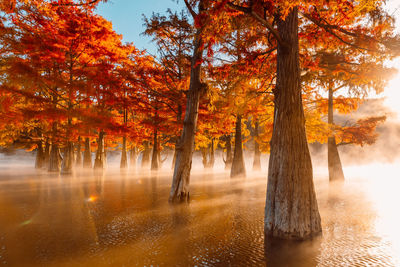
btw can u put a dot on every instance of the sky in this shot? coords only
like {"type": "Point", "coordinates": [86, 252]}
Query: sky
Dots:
{"type": "Point", "coordinates": [127, 18]}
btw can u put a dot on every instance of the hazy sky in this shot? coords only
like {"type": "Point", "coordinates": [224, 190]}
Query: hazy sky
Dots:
{"type": "Point", "coordinates": [127, 19]}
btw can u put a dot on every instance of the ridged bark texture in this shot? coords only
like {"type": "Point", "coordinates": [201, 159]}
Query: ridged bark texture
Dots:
{"type": "Point", "coordinates": [291, 210]}
{"type": "Point", "coordinates": [55, 159]}
{"type": "Point", "coordinates": [180, 181]}
{"type": "Point", "coordinates": [334, 163]}
{"type": "Point", "coordinates": [124, 158]}
{"type": "Point", "coordinates": [238, 168]}
{"type": "Point", "coordinates": [87, 155]}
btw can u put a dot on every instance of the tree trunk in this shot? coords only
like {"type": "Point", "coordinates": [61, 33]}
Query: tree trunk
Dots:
{"type": "Point", "coordinates": [211, 162]}
{"type": "Point", "coordinates": [40, 157]}
{"type": "Point", "coordinates": [124, 158]}
{"type": "Point", "coordinates": [55, 159]}
{"type": "Point", "coordinates": [155, 161]}
{"type": "Point", "coordinates": [133, 157]}
{"type": "Point", "coordinates": [99, 162]}
{"type": "Point", "coordinates": [68, 159]}
{"type": "Point", "coordinates": [229, 157]}
{"type": "Point", "coordinates": [78, 160]}
{"type": "Point", "coordinates": [47, 148]}
{"type": "Point", "coordinates": [238, 168]}
{"type": "Point", "coordinates": [145, 155]}
{"type": "Point", "coordinates": [334, 163]}
{"type": "Point", "coordinates": [87, 155]}
{"type": "Point", "coordinates": [291, 210]}
{"type": "Point", "coordinates": [257, 153]}
{"type": "Point", "coordinates": [204, 157]}
{"type": "Point", "coordinates": [180, 181]}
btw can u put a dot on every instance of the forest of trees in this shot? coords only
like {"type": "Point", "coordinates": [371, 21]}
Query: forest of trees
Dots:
{"type": "Point", "coordinates": [264, 72]}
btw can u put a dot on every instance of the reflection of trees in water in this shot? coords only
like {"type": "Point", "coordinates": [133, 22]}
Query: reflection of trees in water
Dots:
{"type": "Point", "coordinates": [279, 252]}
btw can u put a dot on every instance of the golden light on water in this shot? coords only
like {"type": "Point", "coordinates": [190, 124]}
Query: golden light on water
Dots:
{"type": "Point", "coordinates": [92, 199]}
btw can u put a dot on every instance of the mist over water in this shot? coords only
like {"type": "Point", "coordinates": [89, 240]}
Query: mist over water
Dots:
{"type": "Point", "coordinates": [119, 218]}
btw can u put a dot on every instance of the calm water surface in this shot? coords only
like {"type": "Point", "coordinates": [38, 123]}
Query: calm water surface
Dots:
{"type": "Point", "coordinates": [123, 218]}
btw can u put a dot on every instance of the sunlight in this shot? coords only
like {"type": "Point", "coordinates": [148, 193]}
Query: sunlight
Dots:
{"type": "Point", "coordinates": [392, 91]}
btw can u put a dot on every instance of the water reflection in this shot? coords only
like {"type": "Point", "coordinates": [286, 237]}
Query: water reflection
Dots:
{"type": "Point", "coordinates": [115, 218]}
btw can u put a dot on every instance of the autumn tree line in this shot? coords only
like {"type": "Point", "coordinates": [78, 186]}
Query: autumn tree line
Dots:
{"type": "Point", "coordinates": [225, 72]}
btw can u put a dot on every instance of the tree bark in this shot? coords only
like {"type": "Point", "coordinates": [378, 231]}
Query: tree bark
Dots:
{"type": "Point", "coordinates": [78, 159]}
{"type": "Point", "coordinates": [124, 158]}
{"type": "Point", "coordinates": [180, 181]}
{"type": "Point", "coordinates": [68, 159]}
{"type": "Point", "coordinates": [238, 167]}
{"type": "Point", "coordinates": [40, 156]}
{"type": "Point", "coordinates": [211, 162]}
{"type": "Point", "coordinates": [334, 163]}
{"type": "Point", "coordinates": [99, 162]}
{"type": "Point", "coordinates": [257, 153]}
{"type": "Point", "coordinates": [291, 210]}
{"type": "Point", "coordinates": [87, 155]}
{"type": "Point", "coordinates": [145, 155]}
{"type": "Point", "coordinates": [229, 157]}
{"type": "Point", "coordinates": [55, 158]}
{"type": "Point", "coordinates": [155, 161]}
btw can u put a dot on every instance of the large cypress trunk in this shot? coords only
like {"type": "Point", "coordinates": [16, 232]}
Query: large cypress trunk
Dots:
{"type": "Point", "coordinates": [99, 162]}
{"type": "Point", "coordinates": [40, 156]}
{"type": "Point", "coordinates": [238, 167]}
{"type": "Point", "coordinates": [229, 157]}
{"type": "Point", "coordinates": [55, 158]}
{"type": "Point", "coordinates": [257, 153]}
{"type": "Point", "coordinates": [334, 163]}
{"type": "Point", "coordinates": [78, 159]}
{"type": "Point", "coordinates": [180, 181]}
{"type": "Point", "coordinates": [133, 157]}
{"type": "Point", "coordinates": [124, 158]}
{"type": "Point", "coordinates": [87, 155]}
{"type": "Point", "coordinates": [145, 155]}
{"type": "Point", "coordinates": [291, 209]}
{"type": "Point", "coordinates": [68, 159]}
{"type": "Point", "coordinates": [155, 161]}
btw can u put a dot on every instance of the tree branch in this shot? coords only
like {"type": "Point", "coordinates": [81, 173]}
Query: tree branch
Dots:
{"type": "Point", "coordinates": [190, 9]}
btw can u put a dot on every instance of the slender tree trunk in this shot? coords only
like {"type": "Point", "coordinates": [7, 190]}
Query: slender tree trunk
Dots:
{"type": "Point", "coordinates": [229, 157]}
{"type": "Point", "coordinates": [40, 156]}
{"type": "Point", "coordinates": [78, 160]}
{"type": "Point", "coordinates": [334, 163]}
{"type": "Point", "coordinates": [87, 155]}
{"type": "Point", "coordinates": [124, 158]}
{"type": "Point", "coordinates": [238, 167]}
{"type": "Point", "coordinates": [99, 162]}
{"type": "Point", "coordinates": [291, 209]}
{"type": "Point", "coordinates": [155, 161]}
{"type": "Point", "coordinates": [257, 153]}
{"type": "Point", "coordinates": [180, 181]}
{"type": "Point", "coordinates": [145, 155]}
{"type": "Point", "coordinates": [133, 157]}
{"type": "Point", "coordinates": [179, 121]}
{"type": "Point", "coordinates": [55, 158]}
